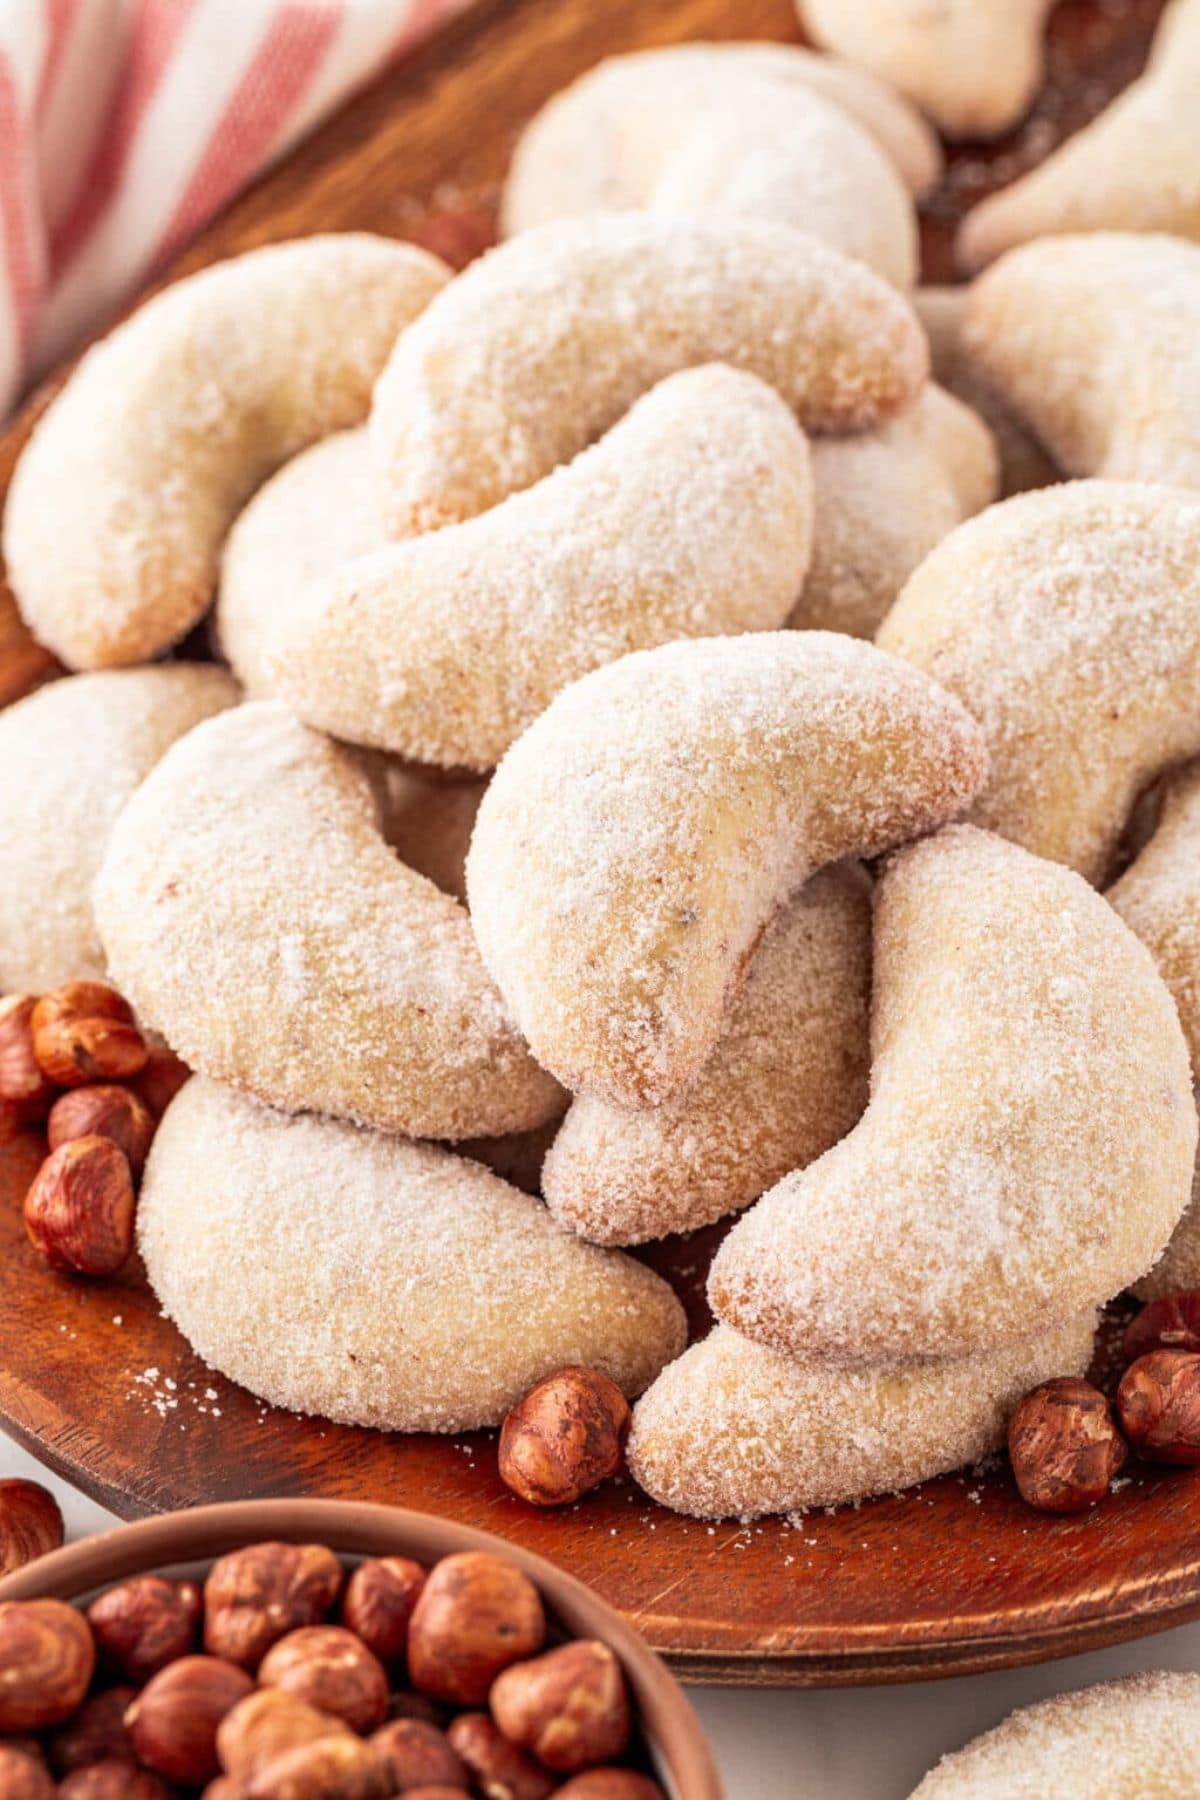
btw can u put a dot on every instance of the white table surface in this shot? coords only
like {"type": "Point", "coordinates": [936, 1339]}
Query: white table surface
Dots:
{"type": "Point", "coordinates": [853, 1744]}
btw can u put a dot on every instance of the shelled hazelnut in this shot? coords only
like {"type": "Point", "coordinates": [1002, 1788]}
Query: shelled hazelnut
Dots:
{"type": "Point", "coordinates": [1159, 1406]}
{"type": "Point", "coordinates": [161, 1078]}
{"type": "Point", "coordinates": [255, 1596]}
{"type": "Point", "coordinates": [608, 1784]}
{"type": "Point", "coordinates": [173, 1723]}
{"type": "Point", "coordinates": [105, 1111]}
{"type": "Point", "coordinates": [564, 1437]}
{"type": "Point", "coordinates": [477, 1614]}
{"type": "Point", "coordinates": [24, 1085]}
{"type": "Point", "coordinates": [84, 1031]}
{"type": "Point", "coordinates": [113, 1781]}
{"type": "Point", "coordinates": [144, 1624]}
{"type": "Point", "coordinates": [332, 1768]}
{"type": "Point", "coordinates": [568, 1707]}
{"type": "Point", "coordinates": [416, 1755]}
{"type": "Point", "coordinates": [1064, 1446]}
{"type": "Point", "coordinates": [47, 1659]}
{"type": "Point", "coordinates": [95, 1734]}
{"type": "Point", "coordinates": [378, 1605]}
{"type": "Point", "coordinates": [23, 1777]}
{"type": "Point", "coordinates": [79, 1211]}
{"type": "Point", "coordinates": [496, 1766]}
{"type": "Point", "coordinates": [31, 1523]}
{"type": "Point", "coordinates": [265, 1724]}
{"type": "Point", "coordinates": [331, 1669]}
{"type": "Point", "coordinates": [1169, 1323]}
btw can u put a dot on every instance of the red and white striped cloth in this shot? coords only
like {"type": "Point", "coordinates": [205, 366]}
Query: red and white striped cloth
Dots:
{"type": "Point", "coordinates": [124, 124]}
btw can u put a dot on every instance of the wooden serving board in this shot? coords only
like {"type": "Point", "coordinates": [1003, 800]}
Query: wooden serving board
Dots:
{"type": "Point", "coordinates": [952, 1577]}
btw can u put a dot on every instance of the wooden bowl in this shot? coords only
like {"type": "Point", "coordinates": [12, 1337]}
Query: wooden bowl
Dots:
{"type": "Point", "coordinates": [192, 1540]}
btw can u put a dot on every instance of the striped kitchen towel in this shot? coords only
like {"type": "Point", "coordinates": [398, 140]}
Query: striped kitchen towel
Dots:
{"type": "Point", "coordinates": [125, 124]}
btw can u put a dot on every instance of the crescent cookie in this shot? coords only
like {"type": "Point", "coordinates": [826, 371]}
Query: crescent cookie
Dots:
{"type": "Point", "coordinates": [1067, 621]}
{"type": "Point", "coordinates": [1135, 168]}
{"type": "Point", "coordinates": [374, 1281]}
{"type": "Point", "coordinates": [636, 841]}
{"type": "Point", "coordinates": [72, 753]}
{"type": "Point", "coordinates": [1135, 1739]}
{"type": "Point", "coordinates": [541, 345]}
{"type": "Point", "coordinates": [734, 1430]}
{"type": "Point", "coordinates": [972, 65]}
{"type": "Point", "coordinates": [882, 500]}
{"type": "Point", "coordinates": [121, 499]}
{"type": "Point", "coordinates": [691, 517]}
{"type": "Point", "coordinates": [252, 913]}
{"type": "Point", "coordinates": [692, 129]}
{"type": "Point", "coordinates": [1093, 341]}
{"type": "Point", "coordinates": [1028, 1147]}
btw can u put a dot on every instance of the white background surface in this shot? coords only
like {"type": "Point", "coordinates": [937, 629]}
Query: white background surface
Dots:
{"type": "Point", "coordinates": [853, 1744]}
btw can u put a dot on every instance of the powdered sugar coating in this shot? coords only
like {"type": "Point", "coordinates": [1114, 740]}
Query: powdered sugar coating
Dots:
{"type": "Point", "coordinates": [637, 839]}
{"type": "Point", "coordinates": [540, 346]}
{"type": "Point", "coordinates": [1028, 1148]}
{"type": "Point", "coordinates": [120, 501]}
{"type": "Point", "coordinates": [1134, 168]}
{"type": "Point", "coordinates": [1134, 1739]}
{"type": "Point", "coordinates": [883, 499]}
{"type": "Point", "coordinates": [375, 1281]}
{"type": "Point", "coordinates": [1068, 622]}
{"type": "Point", "coordinates": [698, 128]}
{"type": "Point", "coordinates": [1094, 342]}
{"type": "Point", "coordinates": [253, 915]}
{"type": "Point", "coordinates": [972, 65]}
{"type": "Point", "coordinates": [787, 1079]}
{"type": "Point", "coordinates": [734, 1430]}
{"type": "Point", "coordinates": [691, 517]}
{"type": "Point", "coordinates": [72, 753]}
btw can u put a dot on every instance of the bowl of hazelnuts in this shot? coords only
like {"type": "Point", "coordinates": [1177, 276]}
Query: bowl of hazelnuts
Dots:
{"type": "Point", "coordinates": [313, 1650]}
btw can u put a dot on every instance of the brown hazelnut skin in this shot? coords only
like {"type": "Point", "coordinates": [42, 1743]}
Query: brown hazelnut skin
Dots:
{"type": "Point", "coordinates": [79, 1210]}
{"type": "Point", "coordinates": [333, 1768]}
{"type": "Point", "coordinates": [564, 1437]}
{"type": "Point", "coordinates": [47, 1659]}
{"type": "Point", "coordinates": [22, 1777]}
{"type": "Point", "coordinates": [496, 1766]}
{"type": "Point", "coordinates": [24, 1085]}
{"type": "Point", "coordinates": [440, 1792]}
{"type": "Point", "coordinates": [255, 1596]}
{"type": "Point", "coordinates": [378, 1604]}
{"type": "Point", "coordinates": [105, 1111]}
{"type": "Point", "coordinates": [569, 1707]}
{"type": "Point", "coordinates": [265, 1724]}
{"type": "Point", "coordinates": [84, 1031]}
{"type": "Point", "coordinates": [1169, 1323]}
{"type": "Point", "coordinates": [477, 1614]}
{"type": "Point", "coordinates": [113, 1780]}
{"type": "Point", "coordinates": [172, 1724]}
{"type": "Point", "coordinates": [610, 1784]}
{"type": "Point", "coordinates": [331, 1669]}
{"type": "Point", "coordinates": [161, 1079]}
{"type": "Point", "coordinates": [415, 1755]}
{"type": "Point", "coordinates": [1158, 1403]}
{"type": "Point", "coordinates": [143, 1624]}
{"type": "Point", "coordinates": [1064, 1446]}
{"type": "Point", "coordinates": [30, 1523]}
{"type": "Point", "coordinates": [96, 1733]}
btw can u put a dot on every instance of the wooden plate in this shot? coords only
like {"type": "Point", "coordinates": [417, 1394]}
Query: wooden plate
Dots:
{"type": "Point", "coordinates": [952, 1577]}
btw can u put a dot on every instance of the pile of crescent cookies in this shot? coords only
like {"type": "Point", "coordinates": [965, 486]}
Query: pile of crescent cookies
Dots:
{"type": "Point", "coordinates": [654, 749]}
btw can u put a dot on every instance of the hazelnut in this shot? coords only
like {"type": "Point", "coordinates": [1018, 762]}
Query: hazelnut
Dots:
{"type": "Point", "coordinates": [500, 1770]}
{"type": "Point", "coordinates": [414, 1755]}
{"type": "Point", "coordinates": [333, 1768]}
{"type": "Point", "coordinates": [1064, 1446]}
{"type": "Point", "coordinates": [144, 1624]}
{"type": "Point", "coordinates": [84, 1031]}
{"type": "Point", "coordinates": [264, 1725]}
{"type": "Point", "coordinates": [96, 1733]}
{"type": "Point", "coordinates": [172, 1724]}
{"type": "Point", "coordinates": [30, 1523]}
{"type": "Point", "coordinates": [161, 1079]}
{"type": "Point", "coordinates": [566, 1435]}
{"type": "Point", "coordinates": [406, 1703]}
{"type": "Point", "coordinates": [378, 1604]}
{"type": "Point", "coordinates": [23, 1084]}
{"type": "Point", "coordinates": [331, 1669]}
{"type": "Point", "coordinates": [1171, 1323]}
{"type": "Point", "coordinates": [47, 1660]}
{"type": "Point", "coordinates": [1158, 1403]}
{"type": "Point", "coordinates": [569, 1707]}
{"type": "Point", "coordinates": [113, 1781]}
{"type": "Point", "coordinates": [254, 1596]}
{"type": "Point", "coordinates": [476, 1614]}
{"type": "Point", "coordinates": [23, 1777]}
{"type": "Point", "coordinates": [105, 1111]}
{"type": "Point", "coordinates": [79, 1210]}
{"type": "Point", "coordinates": [440, 1792]}
{"type": "Point", "coordinates": [610, 1784]}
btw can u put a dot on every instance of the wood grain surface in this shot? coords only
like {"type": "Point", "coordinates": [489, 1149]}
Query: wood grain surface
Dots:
{"type": "Point", "coordinates": [955, 1576]}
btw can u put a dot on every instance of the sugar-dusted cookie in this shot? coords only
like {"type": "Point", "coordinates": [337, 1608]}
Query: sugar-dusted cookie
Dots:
{"type": "Point", "coordinates": [734, 1430]}
{"type": "Point", "coordinates": [1068, 623]}
{"type": "Point", "coordinates": [636, 841]}
{"type": "Point", "coordinates": [540, 346]}
{"type": "Point", "coordinates": [378, 1282]}
{"type": "Point", "coordinates": [883, 499]}
{"type": "Point", "coordinates": [1135, 1739]}
{"type": "Point", "coordinates": [691, 517]}
{"type": "Point", "coordinates": [972, 65]}
{"type": "Point", "coordinates": [1028, 1148]}
{"type": "Point", "coordinates": [72, 753]}
{"type": "Point", "coordinates": [167, 426]}
{"type": "Point", "coordinates": [1093, 341]}
{"type": "Point", "coordinates": [701, 127]}
{"type": "Point", "coordinates": [787, 1079]}
{"type": "Point", "coordinates": [1135, 168]}
{"type": "Point", "coordinates": [253, 914]}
